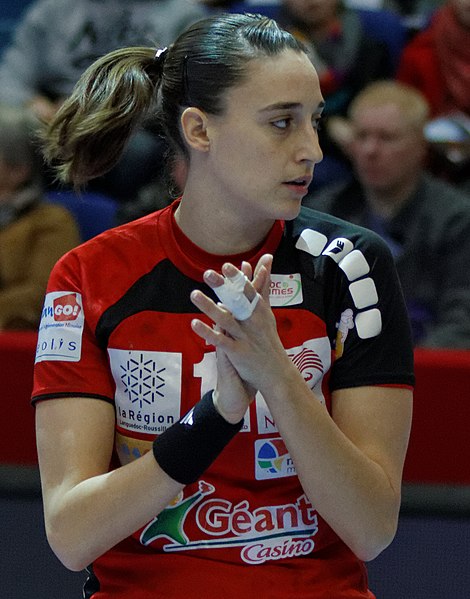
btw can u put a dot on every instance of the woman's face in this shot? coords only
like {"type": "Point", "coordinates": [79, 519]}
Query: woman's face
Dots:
{"type": "Point", "coordinates": [264, 147]}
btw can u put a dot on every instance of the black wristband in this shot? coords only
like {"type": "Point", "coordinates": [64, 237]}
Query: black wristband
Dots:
{"type": "Point", "coordinates": [186, 449]}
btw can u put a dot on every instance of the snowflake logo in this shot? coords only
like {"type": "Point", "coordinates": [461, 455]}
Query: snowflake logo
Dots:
{"type": "Point", "coordinates": [143, 381]}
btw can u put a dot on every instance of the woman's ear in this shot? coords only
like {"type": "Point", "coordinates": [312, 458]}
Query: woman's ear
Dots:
{"type": "Point", "coordinates": [194, 126]}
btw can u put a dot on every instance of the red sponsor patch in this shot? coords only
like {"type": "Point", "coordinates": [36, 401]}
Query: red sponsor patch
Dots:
{"type": "Point", "coordinates": [66, 308]}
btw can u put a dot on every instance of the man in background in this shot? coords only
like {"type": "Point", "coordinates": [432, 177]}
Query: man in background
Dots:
{"type": "Point", "coordinates": [56, 40]}
{"type": "Point", "coordinates": [425, 221]}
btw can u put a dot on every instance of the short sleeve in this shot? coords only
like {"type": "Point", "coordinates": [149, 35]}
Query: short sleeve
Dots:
{"type": "Point", "coordinates": [373, 339]}
{"type": "Point", "coordinates": [69, 361]}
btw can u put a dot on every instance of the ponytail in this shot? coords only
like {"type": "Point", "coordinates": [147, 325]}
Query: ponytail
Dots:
{"type": "Point", "coordinates": [113, 96]}
{"type": "Point", "coordinates": [89, 132]}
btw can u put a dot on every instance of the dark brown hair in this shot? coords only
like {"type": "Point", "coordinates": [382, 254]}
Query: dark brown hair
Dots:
{"type": "Point", "coordinates": [119, 90]}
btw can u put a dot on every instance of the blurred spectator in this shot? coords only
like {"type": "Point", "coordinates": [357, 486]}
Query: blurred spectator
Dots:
{"type": "Point", "coordinates": [449, 141]}
{"type": "Point", "coordinates": [437, 60]}
{"type": "Point", "coordinates": [158, 194]}
{"type": "Point", "coordinates": [425, 221]}
{"type": "Point", "coordinates": [33, 233]}
{"type": "Point", "coordinates": [437, 63]}
{"type": "Point", "coordinates": [346, 56]}
{"type": "Point", "coordinates": [58, 39]}
{"type": "Point", "coordinates": [414, 14]}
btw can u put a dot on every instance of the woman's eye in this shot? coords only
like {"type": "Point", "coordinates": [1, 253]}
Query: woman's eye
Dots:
{"type": "Point", "coordinates": [317, 124]}
{"type": "Point", "coordinates": [281, 123]}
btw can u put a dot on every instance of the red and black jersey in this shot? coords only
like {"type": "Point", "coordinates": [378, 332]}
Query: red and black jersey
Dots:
{"type": "Point", "coordinates": [116, 326]}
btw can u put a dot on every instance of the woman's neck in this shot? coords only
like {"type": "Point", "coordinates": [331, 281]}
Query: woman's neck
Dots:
{"type": "Point", "coordinates": [217, 230]}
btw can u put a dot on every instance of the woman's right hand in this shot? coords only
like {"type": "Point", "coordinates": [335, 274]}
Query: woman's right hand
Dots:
{"type": "Point", "coordinates": [232, 395]}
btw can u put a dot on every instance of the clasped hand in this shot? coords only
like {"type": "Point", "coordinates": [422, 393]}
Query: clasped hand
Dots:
{"type": "Point", "coordinates": [243, 347]}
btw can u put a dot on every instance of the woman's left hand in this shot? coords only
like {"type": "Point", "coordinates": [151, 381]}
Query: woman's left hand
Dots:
{"type": "Point", "coordinates": [351, 472]}
{"type": "Point", "coordinates": [252, 345]}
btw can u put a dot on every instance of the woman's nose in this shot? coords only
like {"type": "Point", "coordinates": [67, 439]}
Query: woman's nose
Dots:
{"type": "Point", "coordinates": [309, 146]}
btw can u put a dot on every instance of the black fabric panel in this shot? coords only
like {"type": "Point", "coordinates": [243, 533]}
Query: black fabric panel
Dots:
{"type": "Point", "coordinates": [163, 289]}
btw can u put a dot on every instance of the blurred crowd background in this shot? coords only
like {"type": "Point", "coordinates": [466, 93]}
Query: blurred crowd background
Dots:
{"type": "Point", "coordinates": [395, 137]}
{"type": "Point", "coordinates": [395, 75]}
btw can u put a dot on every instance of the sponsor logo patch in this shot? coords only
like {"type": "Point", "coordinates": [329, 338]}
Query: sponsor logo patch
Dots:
{"type": "Point", "coordinates": [267, 533]}
{"type": "Point", "coordinates": [61, 327]}
{"type": "Point", "coordinates": [313, 359]}
{"type": "Point", "coordinates": [285, 290]}
{"type": "Point", "coordinates": [148, 389]}
{"type": "Point", "coordinates": [272, 460]}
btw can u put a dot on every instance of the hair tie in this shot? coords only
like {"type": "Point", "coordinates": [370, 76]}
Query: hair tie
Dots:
{"type": "Point", "coordinates": [159, 59]}
{"type": "Point", "coordinates": [154, 68]}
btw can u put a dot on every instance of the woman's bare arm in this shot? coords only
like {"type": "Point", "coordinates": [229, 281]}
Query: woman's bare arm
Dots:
{"type": "Point", "coordinates": [88, 509]}
{"type": "Point", "coordinates": [350, 465]}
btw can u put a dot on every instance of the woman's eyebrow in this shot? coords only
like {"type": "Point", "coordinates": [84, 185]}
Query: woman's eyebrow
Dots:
{"type": "Point", "coordinates": [288, 106]}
